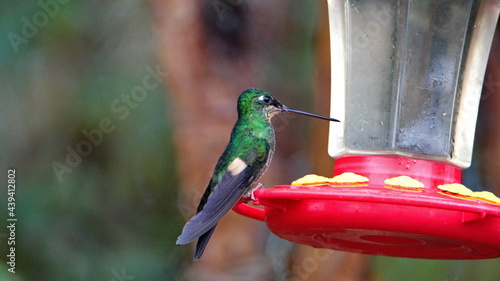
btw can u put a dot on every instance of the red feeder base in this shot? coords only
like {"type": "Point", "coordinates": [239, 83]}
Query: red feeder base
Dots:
{"type": "Point", "coordinates": [374, 219]}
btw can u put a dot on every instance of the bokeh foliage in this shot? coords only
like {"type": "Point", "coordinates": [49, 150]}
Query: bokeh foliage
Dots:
{"type": "Point", "coordinates": [113, 216]}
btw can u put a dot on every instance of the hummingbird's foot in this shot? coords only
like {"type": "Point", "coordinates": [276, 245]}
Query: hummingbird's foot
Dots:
{"type": "Point", "coordinates": [250, 194]}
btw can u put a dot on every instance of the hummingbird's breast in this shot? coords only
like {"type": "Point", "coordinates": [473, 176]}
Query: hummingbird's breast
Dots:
{"type": "Point", "coordinates": [270, 138]}
{"type": "Point", "coordinates": [259, 137]}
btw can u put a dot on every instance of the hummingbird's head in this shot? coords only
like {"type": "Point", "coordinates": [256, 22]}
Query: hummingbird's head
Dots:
{"type": "Point", "coordinates": [253, 101]}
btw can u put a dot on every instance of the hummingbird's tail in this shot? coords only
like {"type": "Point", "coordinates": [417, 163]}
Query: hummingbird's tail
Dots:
{"type": "Point", "coordinates": [202, 243]}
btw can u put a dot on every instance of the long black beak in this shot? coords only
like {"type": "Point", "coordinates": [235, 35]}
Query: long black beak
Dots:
{"type": "Point", "coordinates": [291, 110]}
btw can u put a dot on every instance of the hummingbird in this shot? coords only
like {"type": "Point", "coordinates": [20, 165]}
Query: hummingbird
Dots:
{"type": "Point", "coordinates": [240, 166]}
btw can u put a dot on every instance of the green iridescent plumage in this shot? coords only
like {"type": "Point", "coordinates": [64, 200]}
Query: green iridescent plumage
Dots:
{"type": "Point", "coordinates": [252, 138]}
{"type": "Point", "coordinates": [244, 160]}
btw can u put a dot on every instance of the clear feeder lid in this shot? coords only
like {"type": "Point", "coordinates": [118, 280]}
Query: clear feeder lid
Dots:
{"type": "Point", "coordinates": [407, 76]}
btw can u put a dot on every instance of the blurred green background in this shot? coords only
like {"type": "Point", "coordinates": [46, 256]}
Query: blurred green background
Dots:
{"type": "Point", "coordinates": [113, 214]}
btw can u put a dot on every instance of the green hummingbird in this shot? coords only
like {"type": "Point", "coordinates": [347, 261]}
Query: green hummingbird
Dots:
{"type": "Point", "coordinates": [242, 163]}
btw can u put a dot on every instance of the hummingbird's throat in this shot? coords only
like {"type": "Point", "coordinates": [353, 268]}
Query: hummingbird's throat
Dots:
{"type": "Point", "coordinates": [273, 111]}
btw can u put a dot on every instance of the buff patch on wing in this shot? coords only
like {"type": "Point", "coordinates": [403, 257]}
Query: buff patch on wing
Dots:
{"type": "Point", "coordinates": [237, 166]}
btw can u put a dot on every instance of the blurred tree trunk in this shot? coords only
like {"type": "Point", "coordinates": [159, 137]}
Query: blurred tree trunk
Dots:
{"type": "Point", "coordinates": [211, 51]}
{"type": "Point", "coordinates": [326, 264]}
{"type": "Point", "coordinates": [488, 133]}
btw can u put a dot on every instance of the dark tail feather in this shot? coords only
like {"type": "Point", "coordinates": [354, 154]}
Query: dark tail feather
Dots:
{"type": "Point", "coordinates": [202, 243]}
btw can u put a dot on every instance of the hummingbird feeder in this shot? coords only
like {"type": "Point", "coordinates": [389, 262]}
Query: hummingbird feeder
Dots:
{"type": "Point", "coordinates": [406, 83]}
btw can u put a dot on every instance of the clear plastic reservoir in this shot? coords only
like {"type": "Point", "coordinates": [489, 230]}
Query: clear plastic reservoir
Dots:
{"type": "Point", "coordinates": [407, 76]}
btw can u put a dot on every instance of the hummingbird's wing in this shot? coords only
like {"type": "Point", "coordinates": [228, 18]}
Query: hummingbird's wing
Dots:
{"type": "Point", "coordinates": [230, 188]}
{"type": "Point", "coordinates": [202, 243]}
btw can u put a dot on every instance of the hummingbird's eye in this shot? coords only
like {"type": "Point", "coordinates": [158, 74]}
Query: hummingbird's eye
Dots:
{"type": "Point", "coordinates": [265, 99]}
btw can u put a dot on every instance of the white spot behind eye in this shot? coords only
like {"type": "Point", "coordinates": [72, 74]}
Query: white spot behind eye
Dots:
{"type": "Point", "coordinates": [265, 98]}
